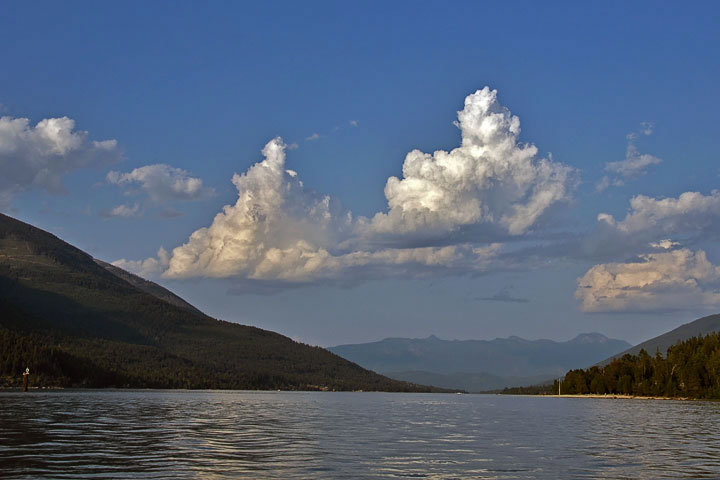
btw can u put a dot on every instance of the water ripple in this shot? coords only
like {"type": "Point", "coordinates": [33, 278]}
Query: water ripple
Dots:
{"type": "Point", "coordinates": [211, 434]}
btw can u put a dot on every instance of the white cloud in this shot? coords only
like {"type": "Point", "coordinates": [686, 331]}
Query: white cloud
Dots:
{"type": "Point", "coordinates": [674, 280]}
{"type": "Point", "coordinates": [162, 183]}
{"type": "Point", "coordinates": [690, 214]}
{"type": "Point", "coordinates": [121, 211]}
{"type": "Point", "coordinates": [314, 136]}
{"type": "Point", "coordinates": [279, 231]}
{"type": "Point", "coordinates": [689, 218]}
{"type": "Point", "coordinates": [273, 217]}
{"type": "Point", "coordinates": [665, 244]}
{"type": "Point", "coordinates": [148, 268]}
{"type": "Point", "coordinates": [353, 123]}
{"type": "Point", "coordinates": [39, 156]}
{"type": "Point", "coordinates": [491, 178]}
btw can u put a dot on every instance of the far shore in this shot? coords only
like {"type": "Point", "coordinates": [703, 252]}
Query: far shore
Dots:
{"type": "Point", "coordinates": [613, 396]}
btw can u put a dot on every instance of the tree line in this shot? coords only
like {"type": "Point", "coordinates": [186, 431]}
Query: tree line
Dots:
{"type": "Point", "coordinates": [690, 369]}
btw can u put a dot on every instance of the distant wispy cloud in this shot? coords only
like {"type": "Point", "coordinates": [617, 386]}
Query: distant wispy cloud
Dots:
{"type": "Point", "coordinates": [353, 123]}
{"type": "Point", "coordinates": [313, 137]}
{"type": "Point", "coordinates": [124, 211]}
{"type": "Point", "coordinates": [504, 295]}
{"type": "Point", "coordinates": [162, 183]}
{"type": "Point", "coordinates": [634, 164]}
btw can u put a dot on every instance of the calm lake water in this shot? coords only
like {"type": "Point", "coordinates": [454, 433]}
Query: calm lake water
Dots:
{"type": "Point", "coordinates": [217, 434]}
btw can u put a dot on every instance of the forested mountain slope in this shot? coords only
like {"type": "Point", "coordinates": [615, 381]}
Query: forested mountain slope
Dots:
{"type": "Point", "coordinates": [698, 328]}
{"type": "Point", "coordinates": [75, 322]}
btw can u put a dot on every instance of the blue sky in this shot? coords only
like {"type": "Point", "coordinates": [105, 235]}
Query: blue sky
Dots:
{"type": "Point", "coordinates": [621, 98]}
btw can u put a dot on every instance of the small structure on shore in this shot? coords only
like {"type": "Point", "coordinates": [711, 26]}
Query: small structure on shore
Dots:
{"type": "Point", "coordinates": [26, 374]}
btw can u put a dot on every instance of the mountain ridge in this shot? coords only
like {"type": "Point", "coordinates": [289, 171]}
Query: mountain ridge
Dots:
{"type": "Point", "coordinates": [77, 322]}
{"type": "Point", "coordinates": [478, 365]}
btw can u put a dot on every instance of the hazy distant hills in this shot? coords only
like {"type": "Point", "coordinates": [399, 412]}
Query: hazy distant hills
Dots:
{"type": "Point", "coordinates": [79, 322]}
{"type": "Point", "coordinates": [697, 328]}
{"type": "Point", "coordinates": [477, 365]}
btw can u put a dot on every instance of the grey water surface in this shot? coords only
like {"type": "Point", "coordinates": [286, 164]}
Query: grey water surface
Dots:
{"type": "Point", "coordinates": [221, 434]}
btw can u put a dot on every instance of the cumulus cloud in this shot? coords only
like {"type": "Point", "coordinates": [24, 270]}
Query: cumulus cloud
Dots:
{"type": "Point", "coordinates": [162, 183]}
{"type": "Point", "coordinates": [634, 164]}
{"type": "Point", "coordinates": [691, 213]}
{"type": "Point", "coordinates": [675, 280]}
{"type": "Point", "coordinates": [121, 211]}
{"type": "Point", "coordinates": [491, 178]}
{"type": "Point", "coordinates": [278, 230]}
{"type": "Point", "coordinates": [690, 218]}
{"type": "Point", "coordinates": [274, 217]}
{"type": "Point", "coordinates": [39, 156]}
{"type": "Point", "coordinates": [150, 267]}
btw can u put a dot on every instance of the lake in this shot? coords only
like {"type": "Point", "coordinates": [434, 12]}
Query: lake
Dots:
{"type": "Point", "coordinates": [228, 434]}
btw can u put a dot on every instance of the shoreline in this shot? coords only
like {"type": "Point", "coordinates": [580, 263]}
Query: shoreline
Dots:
{"type": "Point", "coordinates": [615, 396]}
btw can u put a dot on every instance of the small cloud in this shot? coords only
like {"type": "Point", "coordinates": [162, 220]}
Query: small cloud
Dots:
{"type": "Point", "coordinates": [504, 295]}
{"type": "Point", "coordinates": [293, 146]}
{"type": "Point", "coordinates": [353, 123]}
{"type": "Point", "coordinates": [121, 211]}
{"type": "Point", "coordinates": [162, 183]}
{"type": "Point", "coordinates": [150, 267]}
{"type": "Point", "coordinates": [666, 244]}
{"type": "Point", "coordinates": [634, 165]}
{"type": "Point", "coordinates": [313, 137]}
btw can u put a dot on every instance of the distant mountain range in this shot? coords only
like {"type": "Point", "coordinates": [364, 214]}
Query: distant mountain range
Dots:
{"type": "Point", "coordinates": [76, 321]}
{"type": "Point", "coordinates": [661, 343]}
{"type": "Point", "coordinates": [480, 365]}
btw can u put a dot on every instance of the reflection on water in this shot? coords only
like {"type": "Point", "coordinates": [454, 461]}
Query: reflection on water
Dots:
{"type": "Point", "coordinates": [212, 434]}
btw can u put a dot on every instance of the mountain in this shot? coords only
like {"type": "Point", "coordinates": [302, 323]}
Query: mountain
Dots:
{"type": "Point", "coordinates": [478, 365]}
{"type": "Point", "coordinates": [688, 369]}
{"type": "Point", "coordinates": [698, 328]}
{"type": "Point", "coordinates": [148, 287]}
{"type": "Point", "coordinates": [75, 321]}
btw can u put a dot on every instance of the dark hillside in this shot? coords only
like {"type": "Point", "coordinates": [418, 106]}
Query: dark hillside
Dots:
{"type": "Point", "coordinates": [77, 323]}
{"type": "Point", "coordinates": [698, 328]}
{"type": "Point", "coordinates": [690, 369]}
